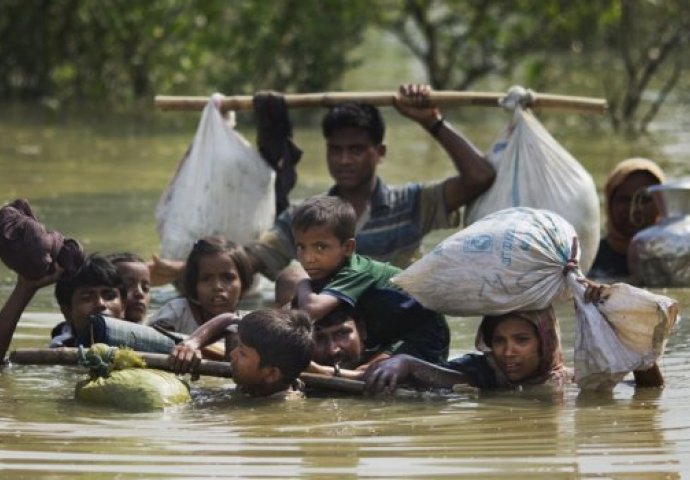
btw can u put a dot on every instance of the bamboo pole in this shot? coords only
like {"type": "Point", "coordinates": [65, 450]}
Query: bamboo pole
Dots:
{"type": "Point", "coordinates": [159, 361]}
{"type": "Point", "coordinates": [438, 98]}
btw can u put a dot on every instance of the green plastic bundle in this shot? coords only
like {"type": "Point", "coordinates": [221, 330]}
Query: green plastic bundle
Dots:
{"type": "Point", "coordinates": [118, 378]}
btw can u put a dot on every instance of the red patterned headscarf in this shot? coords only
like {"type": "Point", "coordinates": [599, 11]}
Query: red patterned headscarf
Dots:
{"type": "Point", "coordinates": [552, 369]}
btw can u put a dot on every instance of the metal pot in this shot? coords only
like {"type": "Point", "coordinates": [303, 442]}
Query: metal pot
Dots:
{"type": "Point", "coordinates": [659, 256]}
{"type": "Point", "coordinates": [672, 199]}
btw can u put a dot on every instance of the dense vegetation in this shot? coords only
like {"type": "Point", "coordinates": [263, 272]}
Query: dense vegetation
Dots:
{"type": "Point", "coordinates": [125, 51]}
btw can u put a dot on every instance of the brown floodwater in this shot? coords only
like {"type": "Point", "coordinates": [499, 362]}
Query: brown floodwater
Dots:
{"type": "Point", "coordinates": [97, 177]}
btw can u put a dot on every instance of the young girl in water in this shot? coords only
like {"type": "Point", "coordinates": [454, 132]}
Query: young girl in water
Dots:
{"type": "Point", "coordinates": [217, 274]}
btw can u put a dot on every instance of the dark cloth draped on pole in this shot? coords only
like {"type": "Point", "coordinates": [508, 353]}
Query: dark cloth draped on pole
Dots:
{"type": "Point", "coordinates": [274, 141]}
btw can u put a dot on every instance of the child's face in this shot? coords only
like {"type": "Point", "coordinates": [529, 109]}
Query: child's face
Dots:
{"type": "Point", "coordinates": [246, 370]}
{"type": "Point", "coordinates": [218, 286]}
{"type": "Point", "coordinates": [90, 300]}
{"type": "Point", "coordinates": [137, 279]}
{"type": "Point", "coordinates": [320, 252]}
{"type": "Point", "coordinates": [340, 343]}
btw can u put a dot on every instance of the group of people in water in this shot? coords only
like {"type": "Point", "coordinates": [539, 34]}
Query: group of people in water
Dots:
{"type": "Point", "coordinates": [332, 257]}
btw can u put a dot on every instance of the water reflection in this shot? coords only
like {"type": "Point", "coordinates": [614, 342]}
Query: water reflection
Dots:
{"type": "Point", "coordinates": [535, 434]}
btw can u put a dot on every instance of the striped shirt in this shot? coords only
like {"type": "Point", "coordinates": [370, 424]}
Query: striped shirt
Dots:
{"type": "Point", "coordinates": [391, 230]}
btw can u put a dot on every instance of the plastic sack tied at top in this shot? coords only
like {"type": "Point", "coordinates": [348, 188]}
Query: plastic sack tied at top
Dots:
{"type": "Point", "coordinates": [510, 260]}
{"type": "Point", "coordinates": [625, 332]}
{"type": "Point", "coordinates": [534, 170]}
{"type": "Point", "coordinates": [221, 187]}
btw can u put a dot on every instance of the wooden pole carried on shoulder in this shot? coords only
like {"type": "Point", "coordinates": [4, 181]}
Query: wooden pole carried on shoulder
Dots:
{"type": "Point", "coordinates": [438, 98]}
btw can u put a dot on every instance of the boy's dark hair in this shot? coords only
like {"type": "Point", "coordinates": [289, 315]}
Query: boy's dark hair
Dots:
{"type": "Point", "coordinates": [122, 257]}
{"type": "Point", "coordinates": [326, 211]}
{"type": "Point", "coordinates": [96, 270]}
{"type": "Point", "coordinates": [357, 115]}
{"type": "Point", "coordinates": [211, 246]}
{"type": "Point", "coordinates": [282, 339]}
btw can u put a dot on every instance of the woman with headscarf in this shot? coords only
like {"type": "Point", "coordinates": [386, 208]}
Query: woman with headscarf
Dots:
{"type": "Point", "coordinates": [515, 349]}
{"type": "Point", "coordinates": [628, 210]}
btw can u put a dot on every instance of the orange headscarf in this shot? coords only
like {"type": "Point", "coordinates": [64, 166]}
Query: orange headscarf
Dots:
{"type": "Point", "coordinates": [616, 239]}
{"type": "Point", "coordinates": [552, 369]}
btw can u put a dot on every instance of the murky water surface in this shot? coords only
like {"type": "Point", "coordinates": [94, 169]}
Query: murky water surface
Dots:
{"type": "Point", "coordinates": [98, 178]}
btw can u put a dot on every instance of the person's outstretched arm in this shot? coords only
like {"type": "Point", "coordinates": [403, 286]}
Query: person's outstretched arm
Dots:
{"type": "Point", "coordinates": [386, 375]}
{"type": "Point", "coordinates": [475, 173]}
{"type": "Point", "coordinates": [186, 356]}
{"type": "Point", "coordinates": [317, 305]}
{"type": "Point", "coordinates": [16, 303]}
{"type": "Point", "coordinates": [164, 271]}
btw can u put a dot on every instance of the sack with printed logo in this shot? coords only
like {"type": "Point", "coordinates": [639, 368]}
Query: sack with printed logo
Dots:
{"type": "Point", "coordinates": [509, 260]}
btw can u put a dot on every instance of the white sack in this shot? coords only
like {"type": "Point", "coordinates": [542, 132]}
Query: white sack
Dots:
{"type": "Point", "coordinates": [534, 170]}
{"type": "Point", "coordinates": [509, 260]}
{"type": "Point", "coordinates": [221, 187]}
{"type": "Point", "coordinates": [627, 331]}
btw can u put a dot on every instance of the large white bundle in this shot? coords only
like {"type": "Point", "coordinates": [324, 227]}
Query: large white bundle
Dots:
{"type": "Point", "coordinates": [509, 260]}
{"type": "Point", "coordinates": [627, 331]}
{"type": "Point", "coordinates": [221, 187]}
{"type": "Point", "coordinates": [534, 170]}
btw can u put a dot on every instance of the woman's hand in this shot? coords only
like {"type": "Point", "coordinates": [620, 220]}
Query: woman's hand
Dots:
{"type": "Point", "coordinates": [384, 376]}
{"type": "Point", "coordinates": [595, 292]}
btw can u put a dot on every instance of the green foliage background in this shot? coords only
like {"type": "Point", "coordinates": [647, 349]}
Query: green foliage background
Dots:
{"type": "Point", "coordinates": [122, 52]}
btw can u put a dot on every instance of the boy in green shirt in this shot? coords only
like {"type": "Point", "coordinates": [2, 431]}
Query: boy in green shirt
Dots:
{"type": "Point", "coordinates": [333, 275]}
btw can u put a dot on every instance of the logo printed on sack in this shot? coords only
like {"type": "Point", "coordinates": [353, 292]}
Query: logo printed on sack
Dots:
{"type": "Point", "coordinates": [478, 243]}
{"type": "Point", "coordinates": [507, 246]}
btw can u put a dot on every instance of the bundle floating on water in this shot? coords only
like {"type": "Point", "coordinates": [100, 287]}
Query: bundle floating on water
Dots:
{"type": "Point", "coordinates": [119, 378]}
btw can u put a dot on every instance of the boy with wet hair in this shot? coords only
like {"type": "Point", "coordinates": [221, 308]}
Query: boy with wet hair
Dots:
{"type": "Point", "coordinates": [272, 348]}
{"type": "Point", "coordinates": [333, 275]}
{"type": "Point", "coordinates": [95, 288]}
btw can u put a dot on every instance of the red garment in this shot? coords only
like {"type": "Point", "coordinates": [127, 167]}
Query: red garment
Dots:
{"type": "Point", "coordinates": [30, 249]}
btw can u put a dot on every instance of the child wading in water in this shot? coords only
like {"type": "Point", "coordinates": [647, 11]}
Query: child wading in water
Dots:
{"type": "Point", "coordinates": [137, 279]}
{"type": "Point", "coordinates": [216, 276]}
{"type": "Point", "coordinates": [273, 348]}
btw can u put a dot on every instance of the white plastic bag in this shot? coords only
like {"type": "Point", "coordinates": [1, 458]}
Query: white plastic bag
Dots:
{"type": "Point", "coordinates": [534, 170]}
{"type": "Point", "coordinates": [221, 187]}
{"type": "Point", "coordinates": [627, 331]}
{"type": "Point", "coordinates": [509, 260]}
